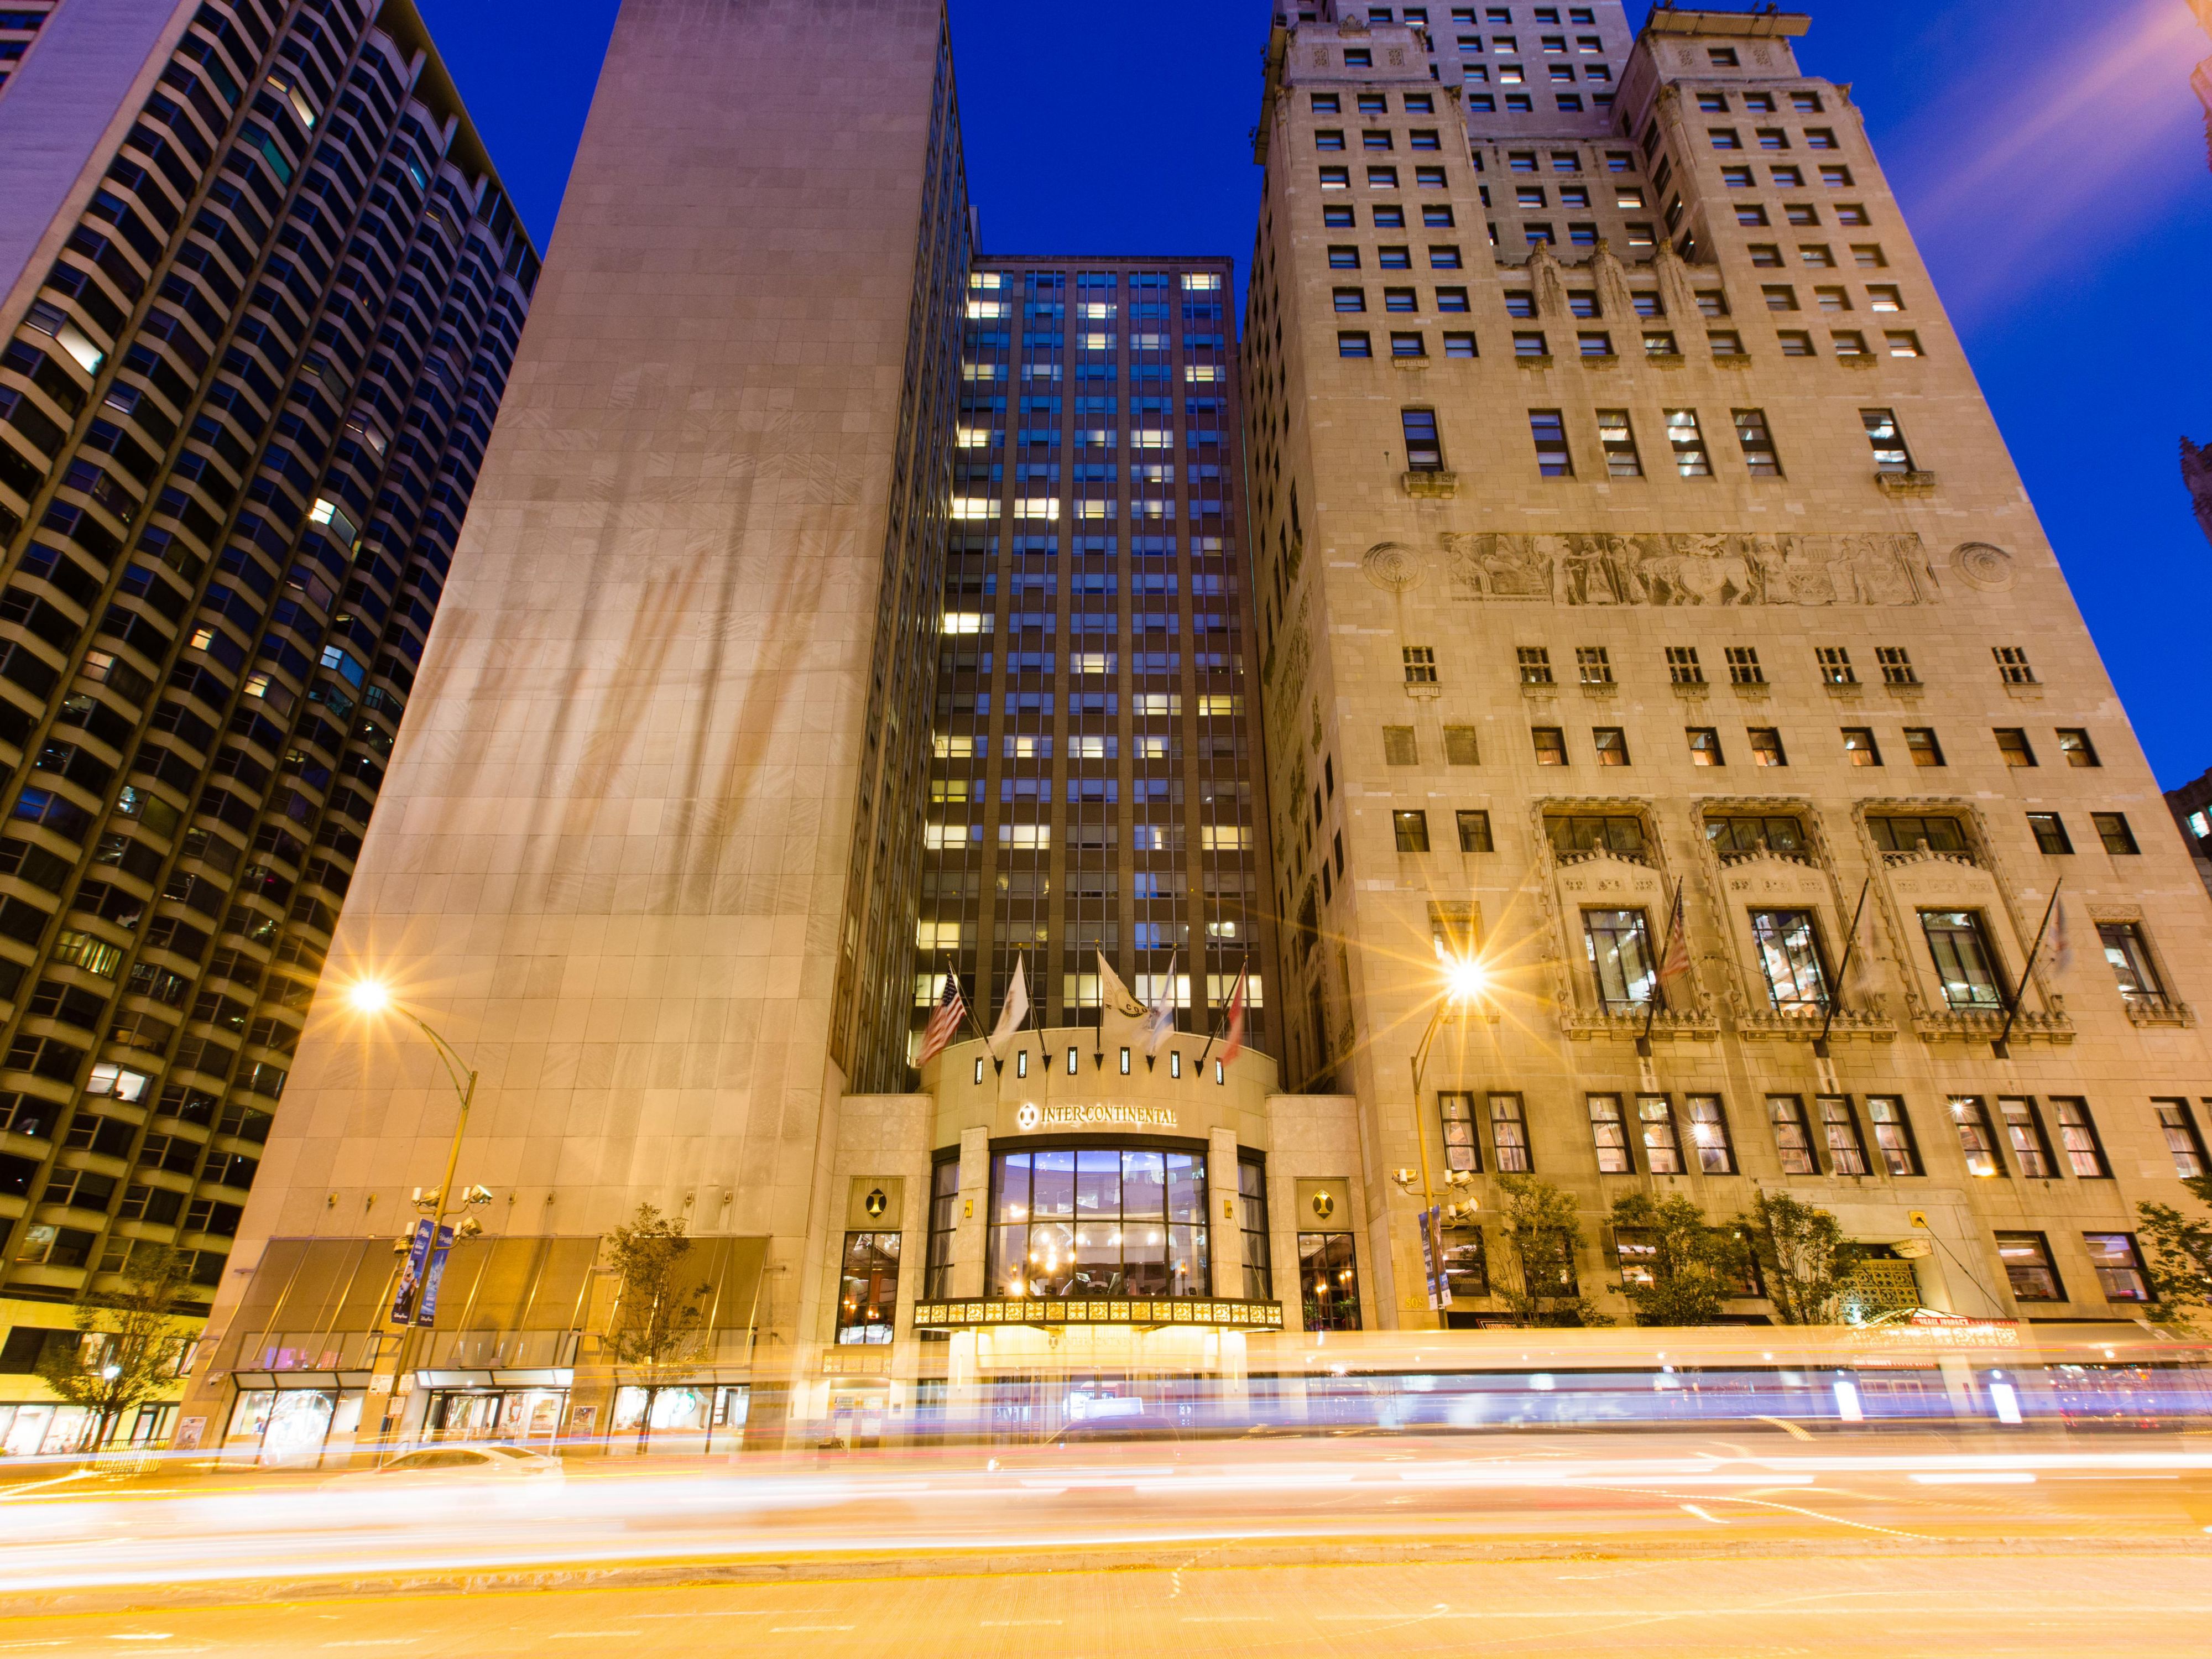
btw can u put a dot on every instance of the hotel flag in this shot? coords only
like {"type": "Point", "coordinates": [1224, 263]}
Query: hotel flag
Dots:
{"type": "Point", "coordinates": [1162, 1025]}
{"type": "Point", "coordinates": [944, 1022]}
{"type": "Point", "coordinates": [1012, 1012]}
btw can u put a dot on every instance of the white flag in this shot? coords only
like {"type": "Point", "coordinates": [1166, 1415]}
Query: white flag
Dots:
{"type": "Point", "coordinates": [1014, 1010]}
{"type": "Point", "coordinates": [1114, 996]}
{"type": "Point", "coordinates": [1163, 1024]}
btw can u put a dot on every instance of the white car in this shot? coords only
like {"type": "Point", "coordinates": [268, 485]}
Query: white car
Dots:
{"type": "Point", "coordinates": [450, 1464]}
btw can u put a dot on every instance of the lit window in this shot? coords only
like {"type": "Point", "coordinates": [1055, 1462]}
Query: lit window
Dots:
{"type": "Point", "coordinates": [1687, 440]}
{"type": "Point", "coordinates": [1618, 439]}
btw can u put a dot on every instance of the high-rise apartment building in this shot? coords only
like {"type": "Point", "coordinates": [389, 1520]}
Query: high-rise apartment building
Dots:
{"type": "Point", "coordinates": [1095, 744]}
{"type": "Point", "coordinates": [1632, 543]}
{"type": "Point", "coordinates": [260, 290]}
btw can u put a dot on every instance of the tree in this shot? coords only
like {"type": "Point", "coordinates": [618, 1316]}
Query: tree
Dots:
{"type": "Point", "coordinates": [130, 1341]}
{"type": "Point", "coordinates": [2177, 1254]}
{"type": "Point", "coordinates": [657, 1325]}
{"type": "Point", "coordinates": [1540, 1234]}
{"type": "Point", "coordinates": [1694, 1266]}
{"type": "Point", "coordinates": [1797, 1247]}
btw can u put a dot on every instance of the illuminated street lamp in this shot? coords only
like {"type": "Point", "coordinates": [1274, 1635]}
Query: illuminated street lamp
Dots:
{"type": "Point", "coordinates": [1466, 980]}
{"type": "Point", "coordinates": [373, 998]}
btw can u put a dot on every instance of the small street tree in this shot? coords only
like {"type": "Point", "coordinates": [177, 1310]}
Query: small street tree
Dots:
{"type": "Point", "coordinates": [1798, 1248]}
{"type": "Point", "coordinates": [1540, 1234]}
{"type": "Point", "coordinates": [130, 1341]}
{"type": "Point", "coordinates": [658, 1324]}
{"type": "Point", "coordinates": [2178, 1254]}
{"type": "Point", "coordinates": [1694, 1266]}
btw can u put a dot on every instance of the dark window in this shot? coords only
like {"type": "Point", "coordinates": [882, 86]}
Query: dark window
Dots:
{"type": "Point", "coordinates": [2113, 830]}
{"type": "Point", "coordinates": [1411, 830]}
{"type": "Point", "coordinates": [2050, 833]}
{"type": "Point", "coordinates": [1474, 832]}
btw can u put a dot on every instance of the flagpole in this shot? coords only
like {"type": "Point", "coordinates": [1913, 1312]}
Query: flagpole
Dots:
{"type": "Point", "coordinates": [1666, 946]}
{"type": "Point", "coordinates": [966, 1007]}
{"type": "Point", "coordinates": [1999, 1048]}
{"type": "Point", "coordinates": [1842, 974]}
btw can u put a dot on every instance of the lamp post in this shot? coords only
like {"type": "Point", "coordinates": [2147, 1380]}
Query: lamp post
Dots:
{"type": "Point", "coordinates": [1465, 982]}
{"type": "Point", "coordinates": [372, 998]}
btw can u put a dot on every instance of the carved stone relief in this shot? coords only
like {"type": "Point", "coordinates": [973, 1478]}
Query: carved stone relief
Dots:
{"type": "Point", "coordinates": [1392, 566]}
{"type": "Point", "coordinates": [1674, 569]}
{"type": "Point", "coordinates": [1981, 566]}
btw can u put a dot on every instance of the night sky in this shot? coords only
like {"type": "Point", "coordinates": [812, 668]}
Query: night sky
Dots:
{"type": "Point", "coordinates": [2049, 154]}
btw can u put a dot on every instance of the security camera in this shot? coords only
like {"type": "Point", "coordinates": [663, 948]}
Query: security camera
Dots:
{"type": "Point", "coordinates": [476, 1195]}
{"type": "Point", "coordinates": [469, 1227]}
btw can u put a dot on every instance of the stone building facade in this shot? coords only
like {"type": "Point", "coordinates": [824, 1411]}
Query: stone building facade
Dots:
{"type": "Point", "coordinates": [260, 288]}
{"type": "Point", "coordinates": [1629, 533]}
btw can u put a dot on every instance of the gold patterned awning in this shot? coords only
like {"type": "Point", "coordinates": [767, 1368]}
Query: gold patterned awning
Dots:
{"type": "Point", "coordinates": [967, 1314]}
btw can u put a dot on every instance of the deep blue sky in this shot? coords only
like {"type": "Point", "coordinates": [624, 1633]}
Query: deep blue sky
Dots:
{"type": "Point", "coordinates": [2049, 154]}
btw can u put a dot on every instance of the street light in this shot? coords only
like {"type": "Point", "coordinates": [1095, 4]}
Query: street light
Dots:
{"type": "Point", "coordinates": [1466, 980]}
{"type": "Point", "coordinates": [372, 998]}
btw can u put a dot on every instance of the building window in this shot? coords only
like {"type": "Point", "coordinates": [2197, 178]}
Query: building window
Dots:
{"type": "Point", "coordinates": [2113, 830]}
{"type": "Point", "coordinates": [1904, 342]}
{"type": "Point", "coordinates": [2026, 1258]}
{"type": "Point", "coordinates": [1411, 830]}
{"type": "Point", "coordinates": [1551, 744]}
{"type": "Point", "coordinates": [1888, 439]}
{"type": "Point", "coordinates": [1766, 746]}
{"type": "Point", "coordinates": [1920, 743]}
{"type": "Point", "coordinates": [1760, 454]}
{"type": "Point", "coordinates": [1509, 1135]}
{"type": "Point", "coordinates": [1399, 748]}
{"type": "Point", "coordinates": [1455, 1112]}
{"type": "Point", "coordinates": [1970, 1116]}
{"type": "Point", "coordinates": [1421, 664]}
{"type": "Point", "coordinates": [1098, 1221]}
{"type": "Point", "coordinates": [2031, 1146]}
{"type": "Point", "coordinates": [1835, 664]}
{"type": "Point", "coordinates": [1892, 1134]}
{"type": "Point", "coordinates": [867, 1301]}
{"type": "Point", "coordinates": [1612, 744]}
{"type": "Point", "coordinates": [1709, 1135]}
{"type": "Point", "coordinates": [1354, 343]}
{"type": "Point", "coordinates": [1682, 665]}
{"type": "Point", "coordinates": [1548, 428]}
{"type": "Point", "coordinates": [1688, 442]}
{"type": "Point", "coordinates": [1424, 450]}
{"type": "Point", "coordinates": [2119, 1266]}
{"type": "Point", "coordinates": [1743, 666]}
{"type": "Point", "coordinates": [1839, 1130]}
{"type": "Point", "coordinates": [1618, 439]}
{"type": "Point", "coordinates": [2012, 664]}
{"type": "Point", "coordinates": [944, 1211]}
{"type": "Point", "coordinates": [1902, 833]}
{"type": "Point", "coordinates": [1662, 1146]}
{"type": "Point", "coordinates": [1466, 1269]}
{"type": "Point", "coordinates": [1409, 345]}
{"type": "Point", "coordinates": [1459, 344]}
{"type": "Point", "coordinates": [1351, 298]}
{"type": "Point", "coordinates": [1593, 665]}
{"type": "Point", "coordinates": [2050, 831]}
{"type": "Point", "coordinates": [1964, 962]}
{"type": "Point", "coordinates": [1535, 663]}
{"type": "Point", "coordinates": [1610, 1135]}
{"type": "Point", "coordinates": [2077, 1134]}
{"type": "Point", "coordinates": [1706, 746]}
{"type": "Point", "coordinates": [2182, 1139]}
{"type": "Point", "coordinates": [1793, 1138]}
{"type": "Point", "coordinates": [1329, 1279]}
{"type": "Point", "coordinates": [1860, 747]}
{"type": "Point", "coordinates": [1251, 1220]}
{"type": "Point", "coordinates": [1619, 946]}
{"type": "Point", "coordinates": [2074, 744]}
{"type": "Point", "coordinates": [2129, 952]}
{"type": "Point", "coordinates": [1475, 831]}
{"type": "Point", "coordinates": [1896, 666]}
{"type": "Point", "coordinates": [1789, 956]}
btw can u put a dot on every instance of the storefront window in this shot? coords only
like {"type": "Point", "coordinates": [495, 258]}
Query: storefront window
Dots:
{"type": "Point", "coordinates": [676, 1409]}
{"type": "Point", "coordinates": [1328, 1281]}
{"type": "Point", "coordinates": [1252, 1218]}
{"type": "Point", "coordinates": [867, 1302]}
{"type": "Point", "coordinates": [944, 1219]}
{"type": "Point", "coordinates": [1099, 1221]}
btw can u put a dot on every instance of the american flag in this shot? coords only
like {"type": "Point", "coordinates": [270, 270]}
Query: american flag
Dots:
{"type": "Point", "coordinates": [1235, 1045]}
{"type": "Point", "coordinates": [1676, 961]}
{"type": "Point", "coordinates": [951, 1009]}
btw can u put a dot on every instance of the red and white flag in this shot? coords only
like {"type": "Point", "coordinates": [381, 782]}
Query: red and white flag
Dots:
{"type": "Point", "coordinates": [1676, 961]}
{"type": "Point", "coordinates": [943, 1021]}
{"type": "Point", "coordinates": [1234, 1045]}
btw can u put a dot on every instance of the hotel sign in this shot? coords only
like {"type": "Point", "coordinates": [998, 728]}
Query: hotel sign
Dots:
{"type": "Point", "coordinates": [1097, 1115]}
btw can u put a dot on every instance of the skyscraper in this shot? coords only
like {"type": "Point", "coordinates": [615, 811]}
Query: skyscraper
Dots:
{"type": "Point", "coordinates": [1095, 746]}
{"type": "Point", "coordinates": [259, 288]}
{"type": "Point", "coordinates": [1650, 612]}
{"type": "Point", "coordinates": [658, 873]}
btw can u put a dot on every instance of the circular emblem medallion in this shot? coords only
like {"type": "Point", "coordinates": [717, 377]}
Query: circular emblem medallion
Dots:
{"type": "Point", "coordinates": [1324, 1206]}
{"type": "Point", "coordinates": [1392, 566]}
{"type": "Point", "coordinates": [1982, 565]}
{"type": "Point", "coordinates": [876, 1203]}
{"type": "Point", "coordinates": [1029, 1117]}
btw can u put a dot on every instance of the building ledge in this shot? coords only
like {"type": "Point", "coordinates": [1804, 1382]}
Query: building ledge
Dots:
{"type": "Point", "coordinates": [1585, 1025]}
{"type": "Point", "coordinates": [1731, 360]}
{"type": "Point", "coordinates": [1665, 359]}
{"type": "Point", "coordinates": [1906, 483]}
{"type": "Point", "coordinates": [1964, 1025]}
{"type": "Point", "coordinates": [1430, 484]}
{"type": "Point", "coordinates": [1601, 360]}
{"type": "Point", "coordinates": [1857, 359]}
{"type": "Point", "coordinates": [2158, 1011]}
{"type": "Point", "coordinates": [1770, 1024]}
{"type": "Point", "coordinates": [1543, 361]}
